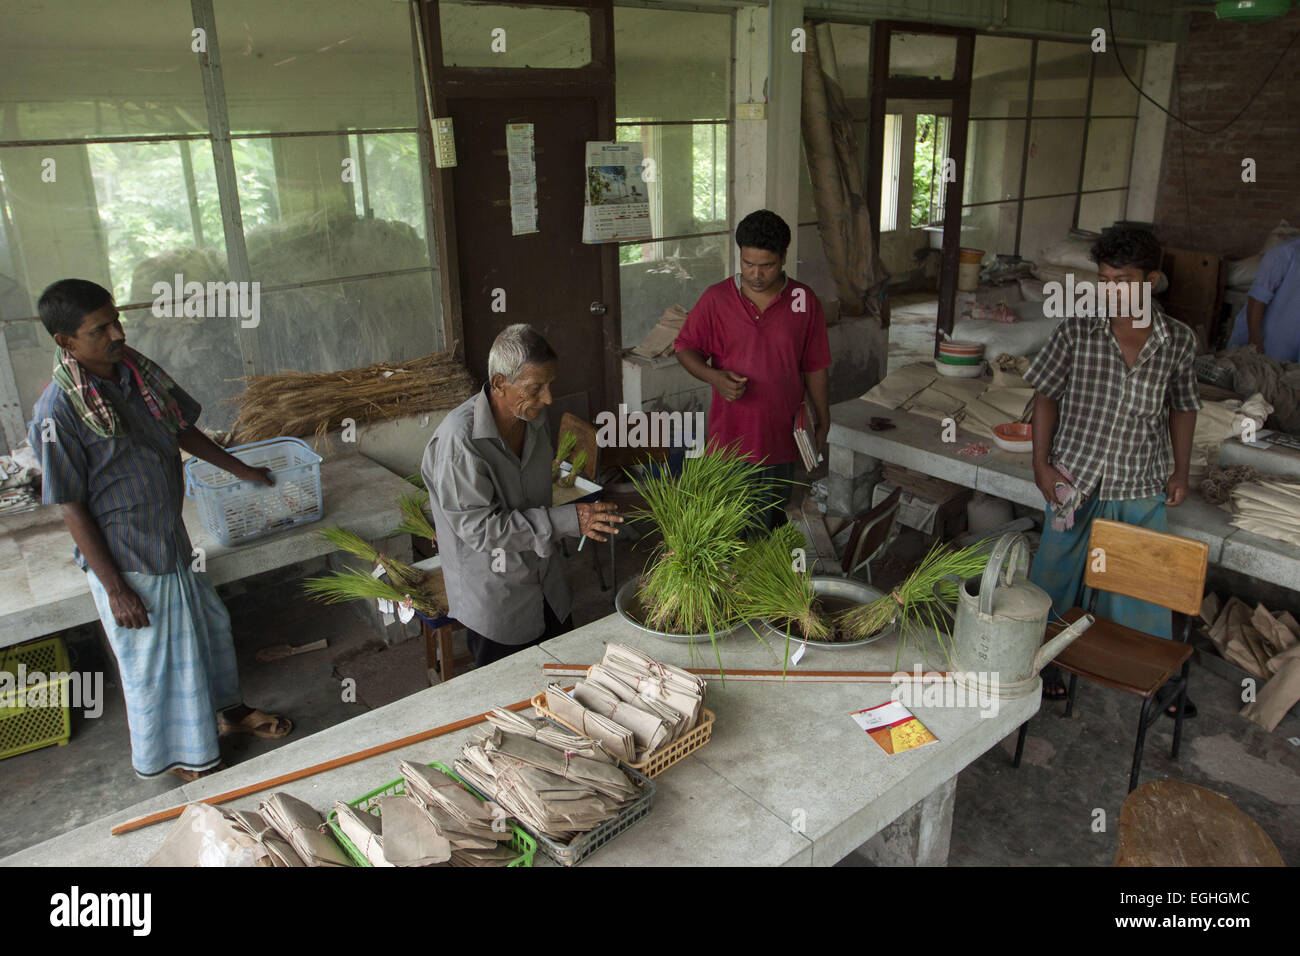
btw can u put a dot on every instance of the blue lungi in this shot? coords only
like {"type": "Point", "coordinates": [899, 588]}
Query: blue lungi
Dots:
{"type": "Point", "coordinates": [1062, 558]}
{"type": "Point", "coordinates": [177, 672]}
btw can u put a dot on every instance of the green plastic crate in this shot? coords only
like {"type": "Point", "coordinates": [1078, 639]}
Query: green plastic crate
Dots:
{"type": "Point", "coordinates": [522, 843]}
{"type": "Point", "coordinates": [24, 728]}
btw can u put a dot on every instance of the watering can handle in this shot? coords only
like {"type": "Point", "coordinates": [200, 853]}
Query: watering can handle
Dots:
{"type": "Point", "coordinates": [938, 595]}
{"type": "Point", "coordinates": [1016, 546]}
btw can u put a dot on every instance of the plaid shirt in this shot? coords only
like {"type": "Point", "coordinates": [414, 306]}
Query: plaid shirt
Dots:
{"type": "Point", "coordinates": [1112, 432]}
{"type": "Point", "coordinates": [132, 485]}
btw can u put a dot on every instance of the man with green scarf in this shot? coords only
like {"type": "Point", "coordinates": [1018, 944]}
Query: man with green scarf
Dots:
{"type": "Point", "coordinates": [109, 429]}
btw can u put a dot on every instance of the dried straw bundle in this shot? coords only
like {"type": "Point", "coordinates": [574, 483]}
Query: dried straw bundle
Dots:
{"type": "Point", "coordinates": [311, 403]}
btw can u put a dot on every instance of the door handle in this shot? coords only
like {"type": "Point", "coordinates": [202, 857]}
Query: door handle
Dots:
{"type": "Point", "coordinates": [598, 308]}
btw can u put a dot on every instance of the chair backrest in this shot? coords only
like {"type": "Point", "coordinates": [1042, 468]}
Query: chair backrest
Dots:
{"type": "Point", "coordinates": [1153, 566]}
{"type": "Point", "coordinates": [586, 435]}
{"type": "Point", "coordinates": [870, 531]}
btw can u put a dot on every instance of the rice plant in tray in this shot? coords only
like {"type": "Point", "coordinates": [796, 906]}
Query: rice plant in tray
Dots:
{"type": "Point", "coordinates": [770, 586]}
{"type": "Point", "coordinates": [912, 604]}
{"type": "Point", "coordinates": [689, 585]}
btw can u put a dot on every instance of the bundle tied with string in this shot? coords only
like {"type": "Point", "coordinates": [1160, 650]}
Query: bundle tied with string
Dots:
{"type": "Point", "coordinates": [302, 404]}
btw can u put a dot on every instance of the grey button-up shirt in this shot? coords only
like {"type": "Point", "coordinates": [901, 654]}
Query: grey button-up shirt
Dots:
{"type": "Point", "coordinates": [133, 485]}
{"type": "Point", "coordinates": [497, 531]}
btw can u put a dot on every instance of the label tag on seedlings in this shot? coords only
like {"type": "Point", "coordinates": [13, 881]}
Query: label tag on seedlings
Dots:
{"type": "Point", "coordinates": [797, 656]}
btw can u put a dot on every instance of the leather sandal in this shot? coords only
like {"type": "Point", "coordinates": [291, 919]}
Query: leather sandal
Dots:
{"type": "Point", "coordinates": [258, 724]}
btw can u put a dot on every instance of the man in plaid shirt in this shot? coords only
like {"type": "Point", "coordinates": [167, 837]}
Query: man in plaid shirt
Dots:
{"type": "Point", "coordinates": [1114, 410]}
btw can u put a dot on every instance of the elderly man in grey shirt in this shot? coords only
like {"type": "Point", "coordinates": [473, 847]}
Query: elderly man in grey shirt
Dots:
{"type": "Point", "coordinates": [488, 471]}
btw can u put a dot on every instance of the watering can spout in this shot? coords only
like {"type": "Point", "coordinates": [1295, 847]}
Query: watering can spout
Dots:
{"type": "Point", "coordinates": [1047, 653]}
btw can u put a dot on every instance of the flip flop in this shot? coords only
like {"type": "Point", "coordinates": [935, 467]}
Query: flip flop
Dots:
{"type": "Point", "coordinates": [253, 723]}
{"type": "Point", "coordinates": [1189, 710]}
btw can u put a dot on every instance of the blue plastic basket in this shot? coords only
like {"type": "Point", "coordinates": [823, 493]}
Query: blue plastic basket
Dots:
{"type": "Point", "coordinates": [235, 511]}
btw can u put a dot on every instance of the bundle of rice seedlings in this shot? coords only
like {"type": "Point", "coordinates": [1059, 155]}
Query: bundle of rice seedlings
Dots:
{"type": "Point", "coordinates": [770, 589]}
{"type": "Point", "coordinates": [401, 582]}
{"type": "Point", "coordinates": [912, 604]}
{"type": "Point", "coordinates": [689, 586]}
{"type": "Point", "coordinates": [579, 463]}
{"type": "Point", "coordinates": [415, 521]}
{"type": "Point", "coordinates": [304, 404]}
{"type": "Point", "coordinates": [563, 449]}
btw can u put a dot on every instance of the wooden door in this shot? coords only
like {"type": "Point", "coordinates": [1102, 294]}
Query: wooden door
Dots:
{"type": "Point", "coordinates": [548, 279]}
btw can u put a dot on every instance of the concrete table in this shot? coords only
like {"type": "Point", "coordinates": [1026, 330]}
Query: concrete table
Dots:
{"type": "Point", "coordinates": [916, 443]}
{"type": "Point", "coordinates": [788, 778]}
{"type": "Point", "coordinates": [43, 591]}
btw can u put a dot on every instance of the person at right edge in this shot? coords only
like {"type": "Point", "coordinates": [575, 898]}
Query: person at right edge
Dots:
{"type": "Point", "coordinates": [1114, 410]}
{"type": "Point", "coordinates": [759, 339]}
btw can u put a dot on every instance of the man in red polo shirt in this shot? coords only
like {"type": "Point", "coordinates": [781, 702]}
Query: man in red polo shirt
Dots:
{"type": "Point", "coordinates": [759, 339]}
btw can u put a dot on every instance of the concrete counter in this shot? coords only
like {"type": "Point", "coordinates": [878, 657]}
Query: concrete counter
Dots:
{"type": "Point", "coordinates": [916, 443]}
{"type": "Point", "coordinates": [43, 591]}
{"type": "Point", "coordinates": [787, 779]}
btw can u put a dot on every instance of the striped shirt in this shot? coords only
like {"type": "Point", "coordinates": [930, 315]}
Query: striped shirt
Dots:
{"type": "Point", "coordinates": [133, 485]}
{"type": "Point", "coordinates": [1112, 432]}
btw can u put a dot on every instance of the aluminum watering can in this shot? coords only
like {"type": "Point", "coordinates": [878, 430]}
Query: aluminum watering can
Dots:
{"type": "Point", "coordinates": [1000, 621]}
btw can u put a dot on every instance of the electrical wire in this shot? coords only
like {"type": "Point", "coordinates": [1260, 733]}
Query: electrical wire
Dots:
{"type": "Point", "coordinates": [1110, 14]}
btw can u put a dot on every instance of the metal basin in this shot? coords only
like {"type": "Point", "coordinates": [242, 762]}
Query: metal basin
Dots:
{"type": "Point", "coordinates": [629, 607]}
{"type": "Point", "coordinates": [847, 589]}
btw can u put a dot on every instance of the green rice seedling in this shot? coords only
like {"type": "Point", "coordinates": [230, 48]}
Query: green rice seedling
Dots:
{"type": "Point", "coordinates": [399, 572]}
{"type": "Point", "coordinates": [912, 605]}
{"type": "Point", "coordinates": [351, 584]}
{"type": "Point", "coordinates": [414, 519]}
{"type": "Point", "coordinates": [770, 589]}
{"type": "Point", "coordinates": [563, 448]}
{"type": "Point", "coordinates": [689, 585]}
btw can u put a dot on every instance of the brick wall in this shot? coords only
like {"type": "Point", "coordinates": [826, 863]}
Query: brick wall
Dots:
{"type": "Point", "coordinates": [1219, 67]}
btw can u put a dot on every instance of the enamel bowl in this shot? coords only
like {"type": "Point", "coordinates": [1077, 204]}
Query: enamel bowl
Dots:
{"type": "Point", "coordinates": [1014, 437]}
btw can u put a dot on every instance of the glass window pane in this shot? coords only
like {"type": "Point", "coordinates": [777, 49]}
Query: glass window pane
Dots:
{"type": "Point", "coordinates": [1098, 211]}
{"type": "Point", "coordinates": [1055, 152]}
{"type": "Point", "coordinates": [1044, 222]}
{"type": "Point", "coordinates": [344, 325]}
{"type": "Point", "coordinates": [994, 152]}
{"type": "Point", "coordinates": [1061, 79]}
{"type": "Point", "coordinates": [150, 208]}
{"type": "Point", "coordinates": [1110, 145]}
{"type": "Point", "coordinates": [388, 184]}
{"type": "Point", "coordinates": [1112, 94]}
{"type": "Point", "coordinates": [689, 191]}
{"type": "Point", "coordinates": [655, 275]}
{"type": "Point", "coordinates": [1000, 76]}
{"type": "Point", "coordinates": [54, 227]}
{"type": "Point", "coordinates": [672, 64]}
{"type": "Point", "coordinates": [991, 228]}
{"type": "Point", "coordinates": [201, 354]}
{"type": "Point", "coordinates": [79, 69]}
{"type": "Point", "coordinates": [535, 37]}
{"type": "Point", "coordinates": [933, 56]}
{"type": "Point", "coordinates": [343, 66]}
{"type": "Point", "coordinates": [928, 153]}
{"type": "Point", "coordinates": [300, 218]}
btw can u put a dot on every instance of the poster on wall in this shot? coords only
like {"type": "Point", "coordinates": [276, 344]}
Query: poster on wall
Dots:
{"type": "Point", "coordinates": [618, 203]}
{"type": "Point", "coordinates": [522, 160]}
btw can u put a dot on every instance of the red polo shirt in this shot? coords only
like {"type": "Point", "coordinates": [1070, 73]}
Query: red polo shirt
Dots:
{"type": "Point", "coordinates": [773, 349]}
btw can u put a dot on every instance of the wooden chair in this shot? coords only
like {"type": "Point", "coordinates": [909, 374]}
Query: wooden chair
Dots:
{"type": "Point", "coordinates": [872, 534]}
{"type": "Point", "coordinates": [438, 654]}
{"type": "Point", "coordinates": [1152, 566]}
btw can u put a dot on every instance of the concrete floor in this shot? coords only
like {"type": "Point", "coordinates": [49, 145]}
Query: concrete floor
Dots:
{"type": "Point", "coordinates": [1041, 814]}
